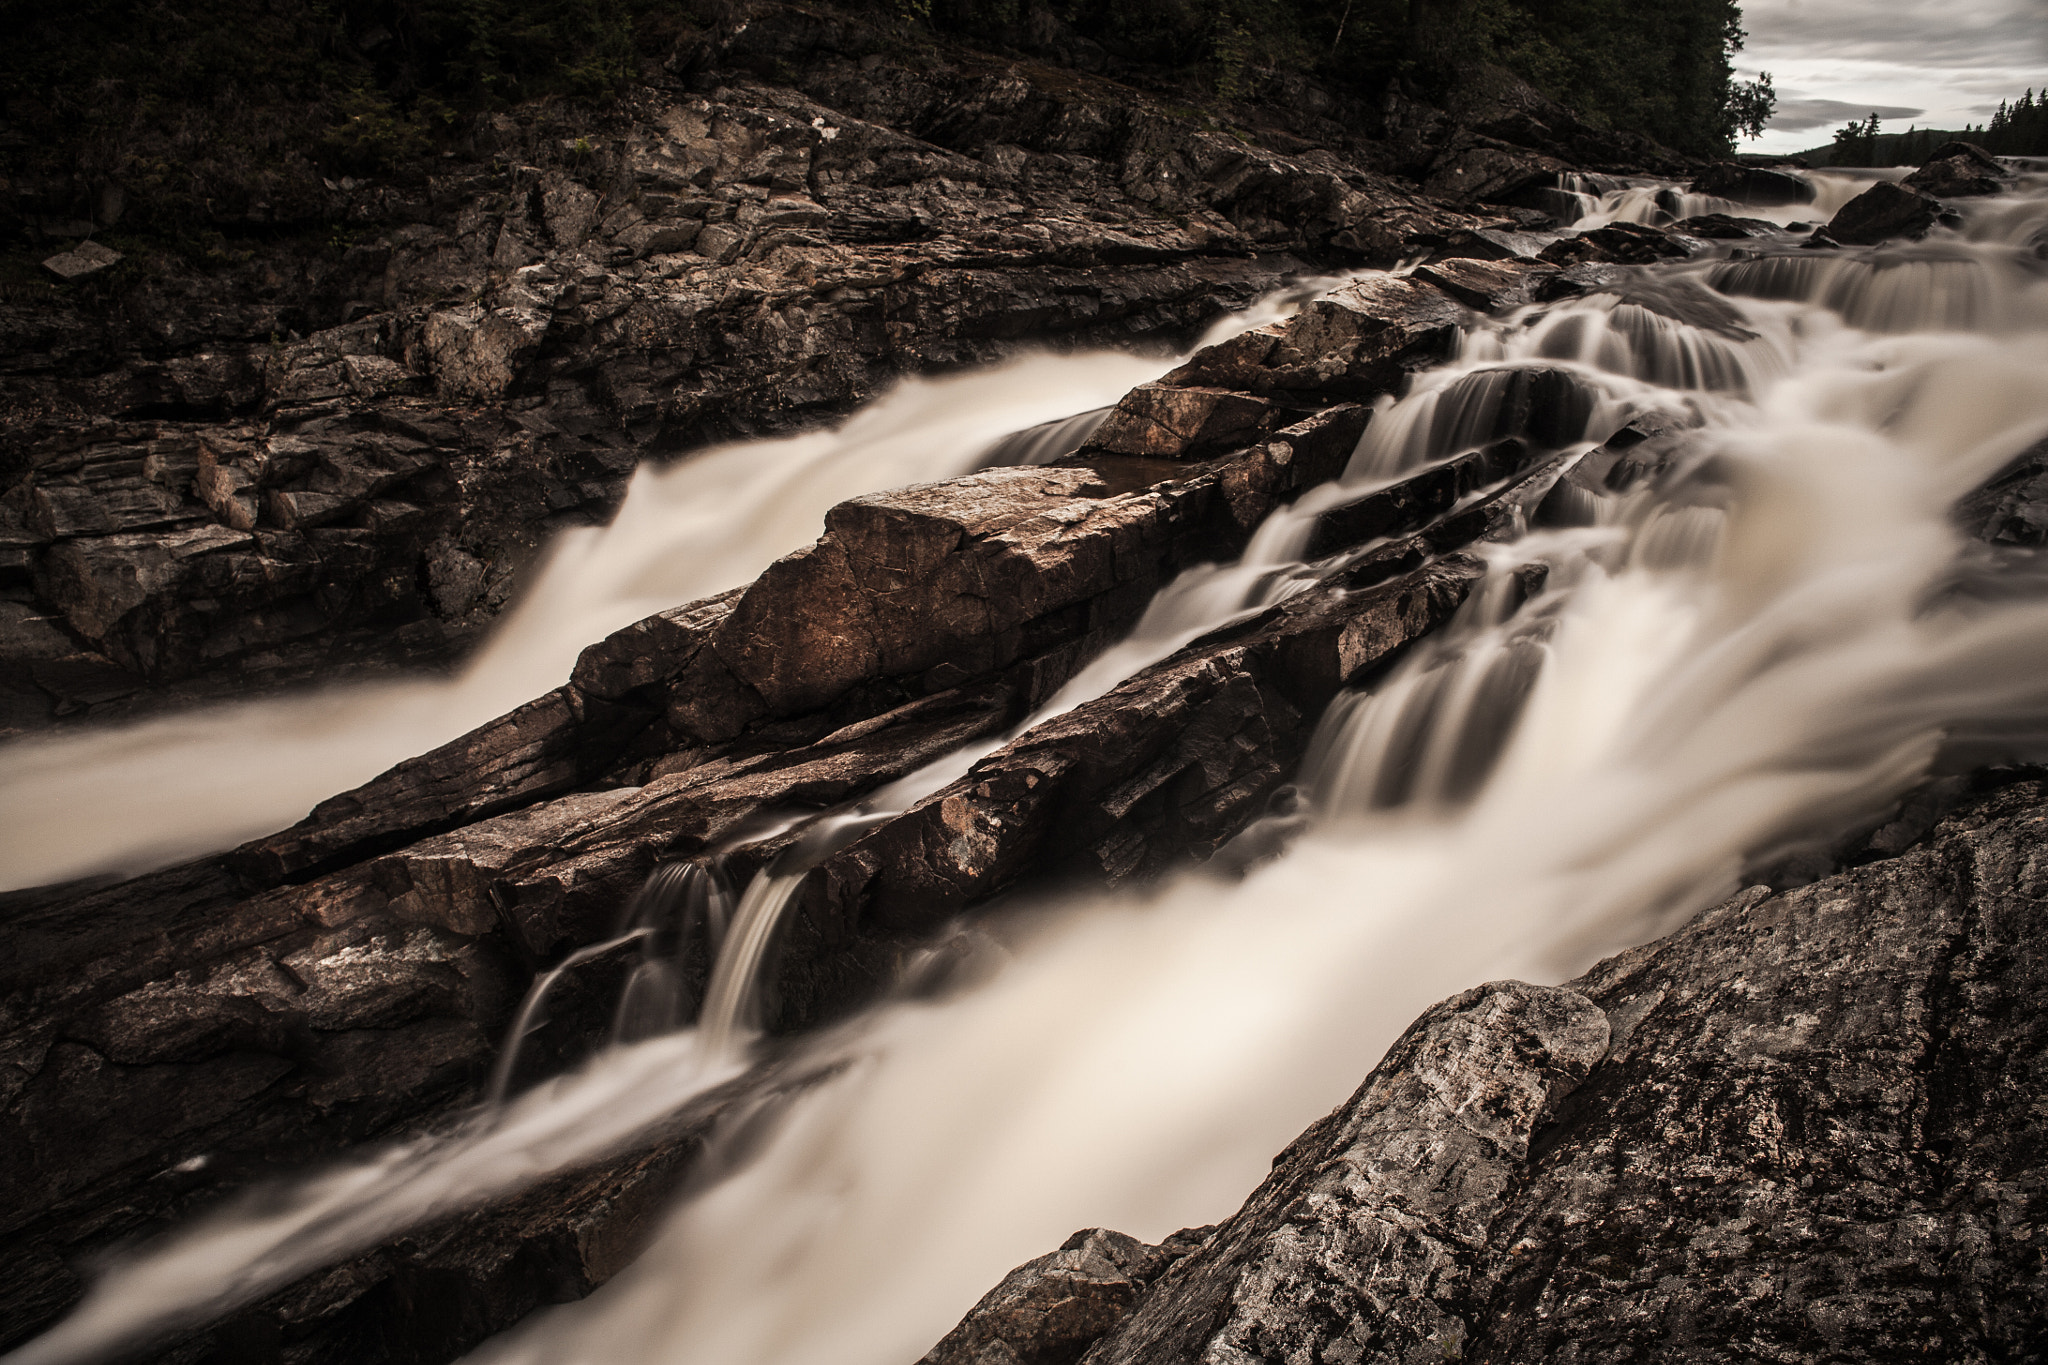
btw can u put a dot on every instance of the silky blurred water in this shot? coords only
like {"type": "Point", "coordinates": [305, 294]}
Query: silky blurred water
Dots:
{"type": "Point", "coordinates": [1750, 649]}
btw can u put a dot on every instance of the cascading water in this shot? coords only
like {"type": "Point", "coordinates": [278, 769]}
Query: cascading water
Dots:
{"type": "Point", "coordinates": [1751, 645]}
{"type": "Point", "coordinates": [1590, 201]}
{"type": "Point", "coordinates": [131, 798]}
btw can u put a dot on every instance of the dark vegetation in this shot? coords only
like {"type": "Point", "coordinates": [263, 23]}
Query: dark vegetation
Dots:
{"type": "Point", "coordinates": [196, 116]}
{"type": "Point", "coordinates": [2019, 128]}
{"type": "Point", "coordinates": [1661, 70]}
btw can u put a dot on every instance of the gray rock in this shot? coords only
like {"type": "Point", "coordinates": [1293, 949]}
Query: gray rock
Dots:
{"type": "Point", "coordinates": [87, 258]}
{"type": "Point", "coordinates": [1797, 1129]}
{"type": "Point", "coordinates": [1048, 1311]}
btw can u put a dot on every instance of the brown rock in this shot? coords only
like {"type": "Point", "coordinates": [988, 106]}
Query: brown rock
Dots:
{"type": "Point", "coordinates": [1169, 421]}
{"type": "Point", "coordinates": [1357, 342]}
{"type": "Point", "coordinates": [1488, 286]}
{"type": "Point", "coordinates": [1171, 763]}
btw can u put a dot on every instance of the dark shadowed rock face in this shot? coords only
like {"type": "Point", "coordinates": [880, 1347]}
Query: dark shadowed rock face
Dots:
{"type": "Point", "coordinates": [1884, 212]}
{"type": "Point", "coordinates": [1960, 170]}
{"type": "Point", "coordinates": [1752, 186]}
{"type": "Point", "coordinates": [1802, 1128]}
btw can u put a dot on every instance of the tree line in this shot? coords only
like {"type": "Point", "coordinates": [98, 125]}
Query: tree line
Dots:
{"type": "Point", "coordinates": [2019, 128]}
{"type": "Point", "coordinates": [1663, 70]}
{"type": "Point", "coordinates": [377, 79]}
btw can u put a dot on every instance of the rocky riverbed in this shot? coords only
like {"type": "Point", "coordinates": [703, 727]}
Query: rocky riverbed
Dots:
{"type": "Point", "coordinates": [334, 461]}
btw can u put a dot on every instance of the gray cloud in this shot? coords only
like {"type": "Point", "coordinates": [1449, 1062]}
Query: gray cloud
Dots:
{"type": "Point", "coordinates": [1919, 33]}
{"type": "Point", "coordinates": [1796, 116]}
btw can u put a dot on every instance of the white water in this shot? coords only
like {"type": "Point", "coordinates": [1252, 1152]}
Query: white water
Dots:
{"type": "Point", "coordinates": [1591, 202]}
{"type": "Point", "coordinates": [1753, 653]}
{"type": "Point", "coordinates": [133, 797]}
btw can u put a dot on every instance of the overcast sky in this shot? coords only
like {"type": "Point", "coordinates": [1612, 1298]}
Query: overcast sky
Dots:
{"type": "Point", "coordinates": [1937, 63]}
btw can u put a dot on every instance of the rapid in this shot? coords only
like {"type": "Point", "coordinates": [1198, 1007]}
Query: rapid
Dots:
{"type": "Point", "coordinates": [126, 799]}
{"type": "Point", "coordinates": [1755, 633]}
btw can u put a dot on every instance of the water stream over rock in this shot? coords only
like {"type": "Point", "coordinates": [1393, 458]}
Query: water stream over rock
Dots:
{"type": "Point", "coordinates": [1722, 611]}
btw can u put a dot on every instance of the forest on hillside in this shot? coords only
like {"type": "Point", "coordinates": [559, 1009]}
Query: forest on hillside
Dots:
{"type": "Point", "coordinates": [1660, 70]}
{"type": "Point", "coordinates": [2019, 128]}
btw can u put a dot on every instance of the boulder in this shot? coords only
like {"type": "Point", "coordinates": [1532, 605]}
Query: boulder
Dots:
{"type": "Point", "coordinates": [1622, 243]}
{"type": "Point", "coordinates": [1752, 186]}
{"type": "Point", "coordinates": [1355, 342]}
{"type": "Point", "coordinates": [1484, 170]}
{"type": "Point", "coordinates": [87, 258]}
{"type": "Point", "coordinates": [1049, 1310]}
{"type": "Point", "coordinates": [1180, 421]}
{"type": "Point", "coordinates": [1960, 170]}
{"type": "Point", "coordinates": [1485, 286]}
{"type": "Point", "coordinates": [1884, 212]}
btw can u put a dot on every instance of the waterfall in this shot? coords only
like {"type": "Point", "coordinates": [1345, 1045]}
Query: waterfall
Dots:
{"type": "Point", "coordinates": [1744, 647]}
{"type": "Point", "coordinates": [1590, 201]}
{"type": "Point", "coordinates": [129, 798]}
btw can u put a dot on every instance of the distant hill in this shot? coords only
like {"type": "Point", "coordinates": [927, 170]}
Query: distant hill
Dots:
{"type": "Point", "coordinates": [2019, 128]}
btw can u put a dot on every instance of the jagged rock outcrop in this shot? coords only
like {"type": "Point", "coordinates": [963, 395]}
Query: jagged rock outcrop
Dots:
{"type": "Point", "coordinates": [1801, 1124]}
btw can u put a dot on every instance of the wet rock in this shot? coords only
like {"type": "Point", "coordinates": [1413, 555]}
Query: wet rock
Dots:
{"type": "Point", "coordinates": [1180, 421]}
{"type": "Point", "coordinates": [1358, 1243]}
{"type": "Point", "coordinates": [1415, 502]}
{"type": "Point", "coordinates": [1487, 286]}
{"type": "Point", "coordinates": [1625, 243]}
{"type": "Point", "coordinates": [650, 652]}
{"type": "Point", "coordinates": [1884, 212]}
{"type": "Point", "coordinates": [1356, 341]}
{"type": "Point", "coordinates": [1159, 772]}
{"type": "Point", "coordinates": [1492, 244]}
{"type": "Point", "coordinates": [540, 749]}
{"type": "Point", "coordinates": [2012, 508]}
{"type": "Point", "coordinates": [1956, 170]}
{"type": "Point", "coordinates": [1050, 1310]}
{"type": "Point", "coordinates": [941, 582]}
{"type": "Point", "coordinates": [1641, 450]}
{"type": "Point", "coordinates": [1752, 186]}
{"type": "Point", "coordinates": [1725, 227]}
{"type": "Point", "coordinates": [1483, 169]}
